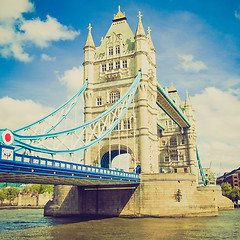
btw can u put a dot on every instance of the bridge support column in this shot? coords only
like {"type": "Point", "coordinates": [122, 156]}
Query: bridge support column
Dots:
{"type": "Point", "coordinates": [158, 195]}
{"type": "Point", "coordinates": [65, 201]}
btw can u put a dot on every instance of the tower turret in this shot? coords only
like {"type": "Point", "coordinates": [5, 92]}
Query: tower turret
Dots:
{"type": "Point", "coordinates": [89, 53]}
{"type": "Point", "coordinates": [191, 136]}
{"type": "Point", "coordinates": [152, 50]}
{"type": "Point", "coordinates": [141, 47]}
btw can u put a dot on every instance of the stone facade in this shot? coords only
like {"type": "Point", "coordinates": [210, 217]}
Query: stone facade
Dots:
{"type": "Point", "coordinates": [110, 69]}
{"type": "Point", "coordinates": [158, 195]}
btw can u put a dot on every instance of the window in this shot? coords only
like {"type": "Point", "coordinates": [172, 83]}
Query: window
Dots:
{"type": "Point", "coordinates": [183, 141]}
{"type": "Point", "coordinates": [114, 96]}
{"type": "Point", "coordinates": [185, 170]}
{"type": "Point", "coordinates": [174, 158]}
{"type": "Point", "coordinates": [181, 157]}
{"type": "Point", "coordinates": [126, 124]}
{"type": "Point", "coordinates": [117, 64]}
{"type": "Point", "coordinates": [110, 51]}
{"type": "Point", "coordinates": [118, 127]}
{"type": "Point", "coordinates": [173, 141]}
{"type": "Point", "coordinates": [163, 142]}
{"type": "Point", "coordinates": [124, 63]}
{"type": "Point", "coordinates": [117, 49]}
{"type": "Point", "coordinates": [166, 158]}
{"type": "Point", "coordinates": [110, 66]}
{"type": "Point", "coordinates": [104, 67]}
{"type": "Point", "coordinates": [175, 170]}
{"type": "Point", "coordinates": [99, 101]}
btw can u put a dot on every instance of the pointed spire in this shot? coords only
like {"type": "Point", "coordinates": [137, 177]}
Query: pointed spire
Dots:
{"type": "Point", "coordinates": [89, 41]}
{"type": "Point", "coordinates": [140, 30]}
{"type": "Point", "coordinates": [150, 39]}
{"type": "Point", "coordinates": [188, 107]}
{"type": "Point", "coordinates": [188, 102]}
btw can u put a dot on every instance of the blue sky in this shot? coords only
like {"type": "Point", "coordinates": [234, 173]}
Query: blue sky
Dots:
{"type": "Point", "coordinates": [197, 46]}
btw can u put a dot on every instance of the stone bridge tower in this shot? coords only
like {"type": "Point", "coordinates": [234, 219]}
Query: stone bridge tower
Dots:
{"type": "Point", "coordinates": [110, 69]}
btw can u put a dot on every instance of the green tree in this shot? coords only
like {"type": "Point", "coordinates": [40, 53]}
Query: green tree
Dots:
{"type": "Point", "coordinates": [226, 189]}
{"type": "Point", "coordinates": [2, 195]}
{"type": "Point", "coordinates": [231, 193]}
{"type": "Point", "coordinates": [235, 194]}
{"type": "Point", "coordinates": [11, 193]}
{"type": "Point", "coordinates": [38, 188]}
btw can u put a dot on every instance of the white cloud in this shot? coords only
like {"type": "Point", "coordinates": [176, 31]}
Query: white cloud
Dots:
{"type": "Point", "coordinates": [45, 57]}
{"type": "Point", "coordinates": [188, 65]}
{"type": "Point", "coordinates": [72, 79]}
{"type": "Point", "coordinates": [42, 33]}
{"type": "Point", "coordinates": [237, 14]}
{"type": "Point", "coordinates": [14, 8]}
{"type": "Point", "coordinates": [218, 128]}
{"type": "Point", "coordinates": [19, 113]}
{"type": "Point", "coordinates": [16, 32]}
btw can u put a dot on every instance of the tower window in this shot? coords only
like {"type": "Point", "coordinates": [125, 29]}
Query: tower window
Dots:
{"type": "Point", "coordinates": [126, 124]}
{"type": "Point", "coordinates": [181, 157]}
{"type": "Point", "coordinates": [110, 66]}
{"type": "Point", "coordinates": [118, 127]}
{"type": "Point", "coordinates": [117, 64]}
{"type": "Point", "coordinates": [110, 51]}
{"type": "Point", "coordinates": [104, 67]}
{"type": "Point", "coordinates": [166, 158]}
{"type": "Point", "coordinates": [117, 49]}
{"type": "Point", "coordinates": [173, 141]}
{"type": "Point", "coordinates": [124, 63]}
{"type": "Point", "coordinates": [99, 101]}
{"type": "Point", "coordinates": [114, 96]}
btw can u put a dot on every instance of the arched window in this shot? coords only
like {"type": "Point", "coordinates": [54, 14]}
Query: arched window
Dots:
{"type": "Point", "coordinates": [114, 96]}
{"type": "Point", "coordinates": [117, 49]}
{"type": "Point", "coordinates": [99, 101]}
{"type": "Point", "coordinates": [110, 51]}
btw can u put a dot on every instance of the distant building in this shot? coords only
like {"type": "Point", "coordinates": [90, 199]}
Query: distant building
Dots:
{"type": "Point", "coordinates": [210, 177]}
{"type": "Point", "coordinates": [230, 177]}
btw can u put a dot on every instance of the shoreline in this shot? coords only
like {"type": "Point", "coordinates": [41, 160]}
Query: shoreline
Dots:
{"type": "Point", "coordinates": [21, 207]}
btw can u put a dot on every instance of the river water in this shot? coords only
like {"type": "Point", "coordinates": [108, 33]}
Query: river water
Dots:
{"type": "Point", "coordinates": [31, 224]}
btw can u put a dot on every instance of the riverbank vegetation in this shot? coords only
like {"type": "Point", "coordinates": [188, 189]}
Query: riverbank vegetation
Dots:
{"type": "Point", "coordinates": [11, 193]}
{"type": "Point", "coordinates": [230, 192]}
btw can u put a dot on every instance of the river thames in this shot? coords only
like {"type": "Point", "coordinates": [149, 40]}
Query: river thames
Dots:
{"type": "Point", "coordinates": [31, 224]}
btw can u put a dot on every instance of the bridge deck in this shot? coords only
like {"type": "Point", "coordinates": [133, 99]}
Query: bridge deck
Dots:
{"type": "Point", "coordinates": [169, 107]}
{"type": "Point", "coordinates": [19, 168]}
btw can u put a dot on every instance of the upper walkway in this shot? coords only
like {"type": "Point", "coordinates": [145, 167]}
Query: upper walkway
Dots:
{"type": "Point", "coordinates": [165, 102]}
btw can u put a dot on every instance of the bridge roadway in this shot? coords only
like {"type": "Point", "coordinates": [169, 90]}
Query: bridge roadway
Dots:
{"type": "Point", "coordinates": [166, 103]}
{"type": "Point", "coordinates": [19, 168]}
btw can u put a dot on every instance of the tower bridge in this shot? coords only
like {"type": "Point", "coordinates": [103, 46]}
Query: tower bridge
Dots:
{"type": "Point", "coordinates": [126, 111]}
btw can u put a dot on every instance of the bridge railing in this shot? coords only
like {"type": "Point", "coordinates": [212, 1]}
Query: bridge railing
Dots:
{"type": "Point", "coordinates": [8, 155]}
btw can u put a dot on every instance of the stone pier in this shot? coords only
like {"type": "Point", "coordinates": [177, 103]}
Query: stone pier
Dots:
{"type": "Point", "coordinates": [158, 195]}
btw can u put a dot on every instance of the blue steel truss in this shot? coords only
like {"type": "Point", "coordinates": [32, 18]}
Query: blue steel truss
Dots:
{"type": "Point", "coordinates": [201, 169]}
{"type": "Point", "coordinates": [84, 135]}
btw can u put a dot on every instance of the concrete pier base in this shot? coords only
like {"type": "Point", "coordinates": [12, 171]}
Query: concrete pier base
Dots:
{"type": "Point", "coordinates": [158, 195]}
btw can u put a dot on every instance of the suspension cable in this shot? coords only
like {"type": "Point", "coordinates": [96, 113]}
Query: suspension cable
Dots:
{"type": "Point", "coordinates": [110, 144]}
{"type": "Point", "coordinates": [134, 135]}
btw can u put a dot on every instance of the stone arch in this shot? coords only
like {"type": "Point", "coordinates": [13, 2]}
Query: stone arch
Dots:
{"type": "Point", "coordinates": [115, 153]}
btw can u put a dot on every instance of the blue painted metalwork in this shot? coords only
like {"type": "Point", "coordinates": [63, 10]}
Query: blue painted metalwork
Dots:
{"type": "Point", "coordinates": [20, 163]}
{"type": "Point", "coordinates": [128, 96]}
{"type": "Point", "coordinates": [76, 96]}
{"type": "Point", "coordinates": [201, 169]}
{"type": "Point", "coordinates": [171, 102]}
